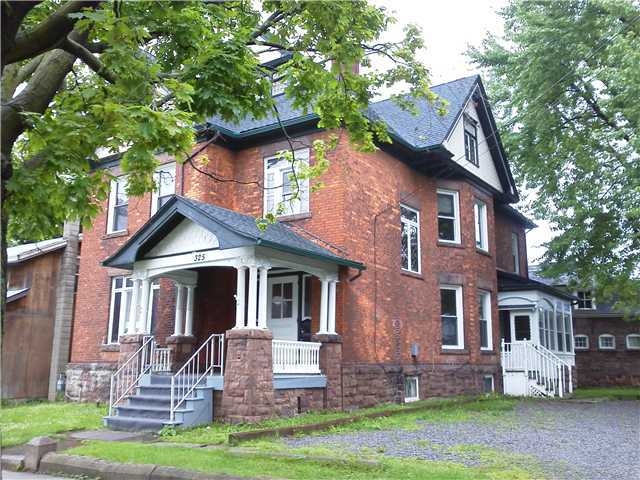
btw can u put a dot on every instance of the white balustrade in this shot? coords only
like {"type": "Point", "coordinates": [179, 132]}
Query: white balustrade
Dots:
{"type": "Point", "coordinates": [296, 357]}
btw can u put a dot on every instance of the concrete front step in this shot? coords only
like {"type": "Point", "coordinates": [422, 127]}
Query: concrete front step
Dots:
{"type": "Point", "coordinates": [158, 413]}
{"type": "Point", "coordinates": [136, 424]}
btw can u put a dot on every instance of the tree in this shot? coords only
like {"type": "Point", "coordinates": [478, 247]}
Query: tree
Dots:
{"type": "Point", "coordinates": [80, 77]}
{"type": "Point", "coordinates": [565, 80]}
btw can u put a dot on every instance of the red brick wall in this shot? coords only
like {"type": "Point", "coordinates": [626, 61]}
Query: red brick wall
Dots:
{"type": "Point", "coordinates": [505, 226]}
{"type": "Point", "coordinates": [600, 368]}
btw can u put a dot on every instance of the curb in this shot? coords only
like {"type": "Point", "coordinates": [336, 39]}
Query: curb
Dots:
{"type": "Point", "coordinates": [237, 437]}
{"type": "Point", "coordinates": [57, 463]}
{"type": "Point", "coordinates": [11, 462]}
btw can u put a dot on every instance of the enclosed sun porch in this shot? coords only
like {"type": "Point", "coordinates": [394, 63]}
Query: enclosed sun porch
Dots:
{"type": "Point", "coordinates": [196, 271]}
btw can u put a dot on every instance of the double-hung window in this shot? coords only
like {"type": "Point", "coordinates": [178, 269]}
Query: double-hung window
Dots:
{"type": "Point", "coordinates": [480, 217]}
{"type": "Point", "coordinates": [410, 243]}
{"type": "Point", "coordinates": [606, 342]}
{"type": "Point", "coordinates": [121, 290]}
{"type": "Point", "coordinates": [451, 316]}
{"type": "Point", "coordinates": [118, 206]}
{"type": "Point", "coordinates": [484, 314]}
{"type": "Point", "coordinates": [633, 341]}
{"type": "Point", "coordinates": [585, 300]}
{"type": "Point", "coordinates": [165, 180]}
{"type": "Point", "coordinates": [283, 195]}
{"type": "Point", "coordinates": [515, 252]}
{"type": "Point", "coordinates": [470, 140]}
{"type": "Point", "coordinates": [448, 216]}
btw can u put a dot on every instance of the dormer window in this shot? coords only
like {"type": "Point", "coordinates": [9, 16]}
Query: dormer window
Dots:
{"type": "Point", "coordinates": [585, 300]}
{"type": "Point", "coordinates": [470, 139]}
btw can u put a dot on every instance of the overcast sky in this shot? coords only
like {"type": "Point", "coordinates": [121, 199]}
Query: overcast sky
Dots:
{"type": "Point", "coordinates": [449, 28]}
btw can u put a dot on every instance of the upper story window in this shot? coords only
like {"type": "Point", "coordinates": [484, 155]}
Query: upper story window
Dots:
{"type": "Point", "coordinates": [581, 342]}
{"type": "Point", "coordinates": [165, 180]}
{"type": "Point", "coordinates": [410, 244]}
{"type": "Point", "coordinates": [480, 217]}
{"type": "Point", "coordinates": [470, 140]}
{"type": "Point", "coordinates": [585, 300]}
{"type": "Point", "coordinates": [451, 316]}
{"type": "Point", "coordinates": [515, 252]}
{"type": "Point", "coordinates": [277, 87]}
{"type": "Point", "coordinates": [280, 196]}
{"type": "Point", "coordinates": [484, 311]}
{"type": "Point", "coordinates": [606, 342]}
{"type": "Point", "coordinates": [633, 341]}
{"type": "Point", "coordinates": [448, 216]}
{"type": "Point", "coordinates": [118, 206]}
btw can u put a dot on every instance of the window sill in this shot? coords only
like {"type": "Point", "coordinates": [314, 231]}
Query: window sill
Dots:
{"type": "Point", "coordinates": [483, 252]}
{"type": "Point", "coordinates": [442, 243]}
{"type": "Point", "coordinates": [487, 352]}
{"type": "Point", "coordinates": [415, 275]}
{"type": "Point", "coordinates": [292, 218]}
{"type": "Point", "coordinates": [606, 349]}
{"type": "Point", "coordinates": [119, 233]}
{"type": "Point", "coordinates": [454, 351]}
{"type": "Point", "coordinates": [110, 347]}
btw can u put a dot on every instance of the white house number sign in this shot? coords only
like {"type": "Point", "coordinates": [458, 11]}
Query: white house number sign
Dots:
{"type": "Point", "coordinates": [199, 256]}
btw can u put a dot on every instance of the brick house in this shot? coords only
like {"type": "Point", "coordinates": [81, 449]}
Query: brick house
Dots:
{"type": "Point", "coordinates": [607, 345]}
{"type": "Point", "coordinates": [382, 286]}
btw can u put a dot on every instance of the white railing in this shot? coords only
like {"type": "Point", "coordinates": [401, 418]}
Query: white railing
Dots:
{"type": "Point", "coordinates": [206, 361]}
{"type": "Point", "coordinates": [296, 357]}
{"type": "Point", "coordinates": [160, 359]}
{"type": "Point", "coordinates": [128, 375]}
{"type": "Point", "coordinates": [539, 364]}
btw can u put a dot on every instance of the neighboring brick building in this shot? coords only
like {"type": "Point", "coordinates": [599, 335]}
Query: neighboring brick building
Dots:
{"type": "Point", "coordinates": [390, 267]}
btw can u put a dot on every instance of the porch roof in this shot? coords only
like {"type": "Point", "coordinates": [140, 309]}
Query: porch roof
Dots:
{"type": "Point", "coordinates": [511, 282]}
{"type": "Point", "coordinates": [232, 230]}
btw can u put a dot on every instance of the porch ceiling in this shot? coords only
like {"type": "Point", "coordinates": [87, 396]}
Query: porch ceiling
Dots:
{"type": "Point", "coordinates": [228, 230]}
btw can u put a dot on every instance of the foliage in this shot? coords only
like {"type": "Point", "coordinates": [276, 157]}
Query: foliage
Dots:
{"type": "Point", "coordinates": [134, 77]}
{"type": "Point", "coordinates": [610, 393]}
{"type": "Point", "coordinates": [565, 80]}
{"type": "Point", "coordinates": [261, 464]}
{"type": "Point", "coordinates": [22, 422]}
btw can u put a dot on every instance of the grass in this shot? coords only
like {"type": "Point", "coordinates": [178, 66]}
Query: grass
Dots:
{"type": "Point", "coordinates": [20, 423]}
{"type": "Point", "coordinates": [222, 461]}
{"type": "Point", "coordinates": [451, 410]}
{"type": "Point", "coordinates": [611, 393]}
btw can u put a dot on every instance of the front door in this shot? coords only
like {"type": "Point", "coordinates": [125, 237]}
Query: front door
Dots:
{"type": "Point", "coordinates": [282, 314]}
{"type": "Point", "coordinates": [520, 326]}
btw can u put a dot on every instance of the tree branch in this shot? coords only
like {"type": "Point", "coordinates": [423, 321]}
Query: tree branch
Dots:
{"type": "Point", "coordinates": [75, 48]}
{"type": "Point", "coordinates": [595, 108]}
{"type": "Point", "coordinates": [47, 35]}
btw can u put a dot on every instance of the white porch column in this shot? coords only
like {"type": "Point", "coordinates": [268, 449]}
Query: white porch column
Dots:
{"type": "Point", "coordinates": [240, 294]}
{"type": "Point", "coordinates": [130, 325]}
{"type": "Point", "coordinates": [188, 327]}
{"type": "Point", "coordinates": [177, 326]}
{"type": "Point", "coordinates": [331, 321]}
{"type": "Point", "coordinates": [262, 305]}
{"type": "Point", "coordinates": [253, 291]}
{"type": "Point", "coordinates": [324, 294]}
{"type": "Point", "coordinates": [141, 320]}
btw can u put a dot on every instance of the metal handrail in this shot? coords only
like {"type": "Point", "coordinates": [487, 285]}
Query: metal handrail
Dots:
{"type": "Point", "coordinates": [182, 382]}
{"type": "Point", "coordinates": [133, 369]}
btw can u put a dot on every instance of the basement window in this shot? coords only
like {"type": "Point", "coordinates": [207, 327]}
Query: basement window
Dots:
{"type": "Point", "coordinates": [411, 389]}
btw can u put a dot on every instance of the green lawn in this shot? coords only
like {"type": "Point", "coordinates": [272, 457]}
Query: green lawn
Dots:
{"type": "Point", "coordinates": [222, 461]}
{"type": "Point", "coordinates": [611, 393]}
{"type": "Point", "coordinates": [22, 422]}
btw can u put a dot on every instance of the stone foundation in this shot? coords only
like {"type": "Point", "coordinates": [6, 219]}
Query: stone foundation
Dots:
{"type": "Point", "coordinates": [182, 347]}
{"type": "Point", "coordinates": [331, 367]}
{"type": "Point", "coordinates": [89, 382]}
{"type": "Point", "coordinates": [293, 401]}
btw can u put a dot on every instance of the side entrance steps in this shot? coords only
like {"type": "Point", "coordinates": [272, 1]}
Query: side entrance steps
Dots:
{"type": "Point", "coordinates": [149, 408]}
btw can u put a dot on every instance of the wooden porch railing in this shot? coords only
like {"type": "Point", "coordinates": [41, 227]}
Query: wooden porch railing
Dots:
{"type": "Point", "coordinates": [296, 357]}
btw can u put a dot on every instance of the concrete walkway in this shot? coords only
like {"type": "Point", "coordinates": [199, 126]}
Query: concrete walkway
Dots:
{"type": "Point", "coordinates": [7, 475]}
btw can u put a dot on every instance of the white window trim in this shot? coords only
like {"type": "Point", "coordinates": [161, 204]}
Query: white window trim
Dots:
{"type": "Point", "coordinates": [417, 397]}
{"type": "Point", "coordinates": [575, 345]}
{"type": "Point", "coordinates": [593, 303]}
{"type": "Point", "coordinates": [124, 314]}
{"type": "Point", "coordinates": [417, 225]}
{"type": "Point", "coordinates": [456, 213]}
{"type": "Point", "coordinates": [515, 254]}
{"type": "Point", "coordinates": [606, 335]}
{"type": "Point", "coordinates": [481, 227]}
{"type": "Point", "coordinates": [302, 156]}
{"type": "Point", "coordinates": [155, 195]}
{"type": "Point", "coordinates": [634, 335]}
{"type": "Point", "coordinates": [459, 316]}
{"type": "Point", "coordinates": [155, 286]}
{"type": "Point", "coordinates": [486, 300]}
{"type": "Point", "coordinates": [112, 205]}
{"type": "Point", "coordinates": [471, 122]}
{"type": "Point", "coordinates": [493, 382]}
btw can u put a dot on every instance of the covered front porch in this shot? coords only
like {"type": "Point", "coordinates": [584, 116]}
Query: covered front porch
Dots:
{"type": "Point", "coordinates": [229, 302]}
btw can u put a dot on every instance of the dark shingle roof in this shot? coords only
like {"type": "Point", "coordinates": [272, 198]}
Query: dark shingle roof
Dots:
{"type": "Point", "coordinates": [510, 282]}
{"type": "Point", "coordinates": [422, 131]}
{"type": "Point", "coordinates": [232, 229]}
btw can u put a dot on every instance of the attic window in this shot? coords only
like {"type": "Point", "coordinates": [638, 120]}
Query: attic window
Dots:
{"type": "Point", "coordinates": [470, 140]}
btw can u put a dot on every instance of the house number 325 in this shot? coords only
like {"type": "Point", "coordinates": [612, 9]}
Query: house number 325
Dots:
{"type": "Point", "coordinates": [198, 257]}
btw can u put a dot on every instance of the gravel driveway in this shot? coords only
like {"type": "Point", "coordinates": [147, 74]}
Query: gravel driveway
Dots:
{"type": "Point", "coordinates": [571, 440]}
